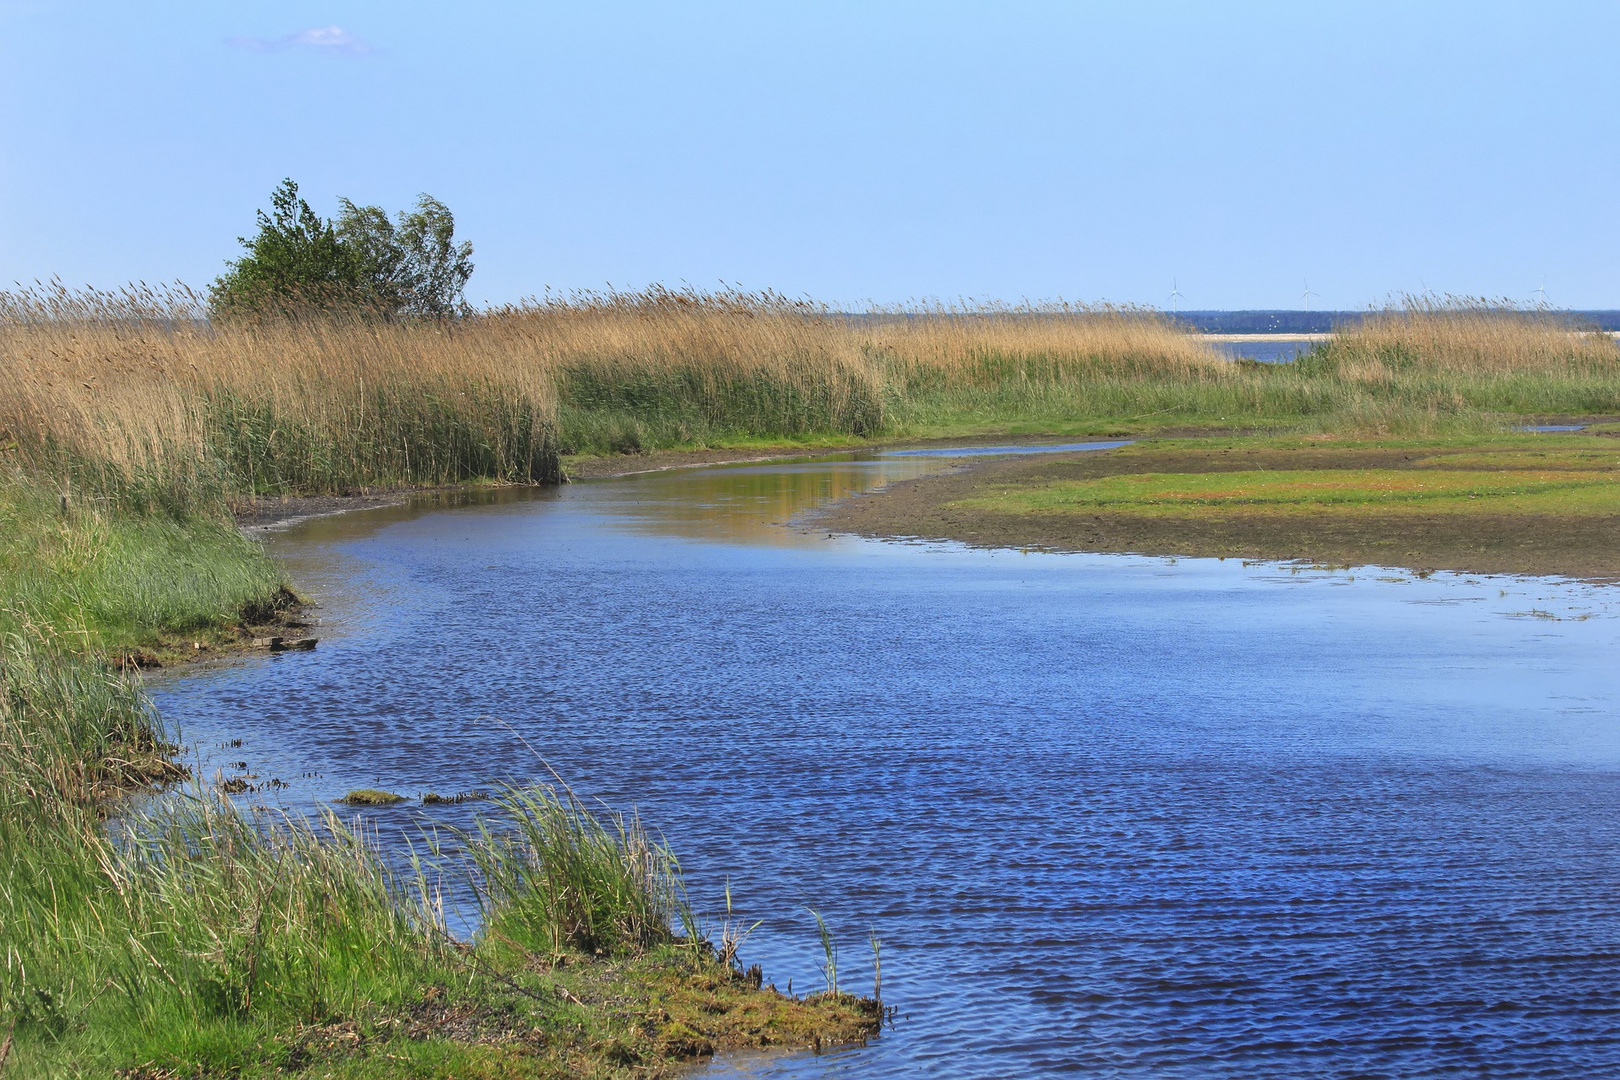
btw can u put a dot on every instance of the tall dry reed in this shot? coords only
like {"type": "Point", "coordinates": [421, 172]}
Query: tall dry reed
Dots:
{"type": "Point", "coordinates": [662, 366]}
{"type": "Point", "coordinates": [1465, 336]}
{"type": "Point", "coordinates": [135, 395]}
{"type": "Point", "coordinates": [1460, 364]}
{"type": "Point", "coordinates": [136, 392]}
{"type": "Point", "coordinates": [987, 346]}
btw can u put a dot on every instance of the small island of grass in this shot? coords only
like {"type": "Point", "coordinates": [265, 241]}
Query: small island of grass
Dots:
{"type": "Point", "coordinates": [371, 797]}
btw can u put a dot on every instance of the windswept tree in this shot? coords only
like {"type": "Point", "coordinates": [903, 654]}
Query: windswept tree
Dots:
{"type": "Point", "coordinates": [410, 266]}
{"type": "Point", "coordinates": [413, 264]}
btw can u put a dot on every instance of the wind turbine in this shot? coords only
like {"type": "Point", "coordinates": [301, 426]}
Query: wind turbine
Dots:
{"type": "Point", "coordinates": [1541, 295]}
{"type": "Point", "coordinates": [1175, 296]}
{"type": "Point", "coordinates": [1305, 296]}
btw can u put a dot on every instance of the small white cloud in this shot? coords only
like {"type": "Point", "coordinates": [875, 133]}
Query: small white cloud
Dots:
{"type": "Point", "coordinates": [330, 37]}
{"type": "Point", "coordinates": [333, 40]}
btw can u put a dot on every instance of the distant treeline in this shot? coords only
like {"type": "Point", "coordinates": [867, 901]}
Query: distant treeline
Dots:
{"type": "Point", "coordinates": [1325, 322]}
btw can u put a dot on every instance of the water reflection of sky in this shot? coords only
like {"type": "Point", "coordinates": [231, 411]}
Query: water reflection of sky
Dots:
{"type": "Point", "coordinates": [1278, 350]}
{"type": "Point", "coordinates": [1114, 815]}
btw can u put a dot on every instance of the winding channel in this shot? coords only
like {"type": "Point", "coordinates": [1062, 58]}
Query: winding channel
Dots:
{"type": "Point", "coordinates": [1111, 815]}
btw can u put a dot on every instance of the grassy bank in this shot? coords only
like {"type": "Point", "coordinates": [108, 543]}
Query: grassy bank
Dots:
{"type": "Point", "coordinates": [128, 585]}
{"type": "Point", "coordinates": [195, 939]}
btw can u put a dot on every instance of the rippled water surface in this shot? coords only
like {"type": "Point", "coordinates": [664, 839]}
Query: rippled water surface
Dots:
{"type": "Point", "coordinates": [1111, 815]}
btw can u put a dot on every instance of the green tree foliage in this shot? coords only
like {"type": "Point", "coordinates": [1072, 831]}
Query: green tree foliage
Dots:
{"type": "Point", "coordinates": [413, 265]}
{"type": "Point", "coordinates": [410, 266]}
{"type": "Point", "coordinates": [294, 255]}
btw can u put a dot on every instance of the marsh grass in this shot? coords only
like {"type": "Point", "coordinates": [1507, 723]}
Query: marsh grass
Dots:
{"type": "Point", "coordinates": [187, 929]}
{"type": "Point", "coordinates": [1464, 336]}
{"type": "Point", "coordinates": [829, 952]}
{"type": "Point", "coordinates": [556, 878]}
{"type": "Point", "coordinates": [1425, 366]}
{"type": "Point", "coordinates": [1452, 364]}
{"type": "Point", "coordinates": [662, 367]}
{"type": "Point", "coordinates": [72, 731]}
{"type": "Point", "coordinates": [108, 580]}
{"type": "Point", "coordinates": [135, 397]}
{"type": "Point", "coordinates": [876, 944]}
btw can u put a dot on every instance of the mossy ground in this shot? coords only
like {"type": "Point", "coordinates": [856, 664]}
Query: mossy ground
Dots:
{"type": "Point", "coordinates": [652, 1016]}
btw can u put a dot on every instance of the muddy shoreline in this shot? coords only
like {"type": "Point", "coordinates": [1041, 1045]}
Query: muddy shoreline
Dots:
{"type": "Point", "coordinates": [261, 514]}
{"type": "Point", "coordinates": [277, 512]}
{"type": "Point", "coordinates": [1575, 546]}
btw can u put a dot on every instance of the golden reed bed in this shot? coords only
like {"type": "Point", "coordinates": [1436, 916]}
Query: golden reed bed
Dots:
{"type": "Point", "coordinates": [140, 385]}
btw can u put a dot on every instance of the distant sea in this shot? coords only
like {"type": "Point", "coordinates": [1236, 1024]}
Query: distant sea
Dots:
{"type": "Point", "coordinates": [1324, 322]}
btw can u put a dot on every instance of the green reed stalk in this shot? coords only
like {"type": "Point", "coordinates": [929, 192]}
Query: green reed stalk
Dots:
{"type": "Point", "coordinates": [829, 952]}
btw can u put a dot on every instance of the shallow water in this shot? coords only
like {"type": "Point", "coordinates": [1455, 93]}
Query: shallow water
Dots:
{"type": "Point", "coordinates": [1112, 815]}
{"type": "Point", "coordinates": [1278, 350]}
{"type": "Point", "coordinates": [1001, 451]}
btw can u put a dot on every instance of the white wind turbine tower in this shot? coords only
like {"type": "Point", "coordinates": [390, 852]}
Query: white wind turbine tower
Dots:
{"type": "Point", "coordinates": [1541, 295]}
{"type": "Point", "coordinates": [1305, 296]}
{"type": "Point", "coordinates": [1175, 296]}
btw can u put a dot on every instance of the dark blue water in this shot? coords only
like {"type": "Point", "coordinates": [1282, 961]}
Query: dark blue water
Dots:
{"type": "Point", "coordinates": [1111, 816]}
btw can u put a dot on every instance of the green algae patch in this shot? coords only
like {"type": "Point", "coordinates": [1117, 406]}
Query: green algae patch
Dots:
{"type": "Point", "coordinates": [1493, 503]}
{"type": "Point", "coordinates": [652, 1016]}
{"type": "Point", "coordinates": [371, 797]}
{"type": "Point", "coordinates": [1426, 490]}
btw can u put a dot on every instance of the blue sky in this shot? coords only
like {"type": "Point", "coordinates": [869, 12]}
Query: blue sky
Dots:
{"type": "Point", "coordinates": [851, 152]}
